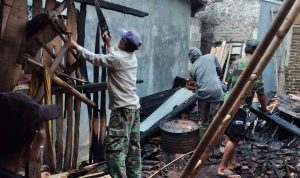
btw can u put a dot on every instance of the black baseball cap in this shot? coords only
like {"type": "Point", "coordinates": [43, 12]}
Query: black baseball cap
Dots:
{"type": "Point", "coordinates": [20, 114]}
{"type": "Point", "coordinates": [251, 46]}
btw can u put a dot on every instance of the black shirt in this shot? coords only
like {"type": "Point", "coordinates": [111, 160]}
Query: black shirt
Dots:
{"type": "Point", "coordinates": [4, 173]}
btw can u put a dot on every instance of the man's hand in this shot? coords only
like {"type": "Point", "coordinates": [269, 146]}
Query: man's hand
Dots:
{"type": "Point", "coordinates": [107, 39]}
{"type": "Point", "coordinates": [74, 45]}
{"type": "Point", "coordinates": [191, 84]}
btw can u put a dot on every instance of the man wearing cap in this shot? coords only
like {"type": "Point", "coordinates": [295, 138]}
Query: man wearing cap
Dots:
{"type": "Point", "coordinates": [21, 131]}
{"type": "Point", "coordinates": [236, 130]}
{"type": "Point", "coordinates": [123, 152]}
{"type": "Point", "coordinates": [205, 71]}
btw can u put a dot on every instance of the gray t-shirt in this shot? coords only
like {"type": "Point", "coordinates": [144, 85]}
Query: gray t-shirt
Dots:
{"type": "Point", "coordinates": [122, 71]}
{"type": "Point", "coordinates": [206, 71]}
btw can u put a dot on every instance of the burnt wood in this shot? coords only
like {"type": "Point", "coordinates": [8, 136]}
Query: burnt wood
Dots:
{"type": "Point", "coordinates": [96, 156]}
{"type": "Point", "coordinates": [276, 119]}
{"type": "Point", "coordinates": [115, 7]}
{"type": "Point", "coordinates": [81, 37]}
{"type": "Point", "coordinates": [269, 97]}
{"type": "Point", "coordinates": [103, 111]}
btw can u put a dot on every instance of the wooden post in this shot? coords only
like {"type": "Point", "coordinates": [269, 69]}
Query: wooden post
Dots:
{"type": "Point", "coordinates": [103, 112]}
{"type": "Point", "coordinates": [77, 120]}
{"type": "Point", "coordinates": [59, 121]}
{"type": "Point", "coordinates": [71, 27]}
{"type": "Point", "coordinates": [34, 167]}
{"type": "Point", "coordinates": [95, 122]}
{"type": "Point", "coordinates": [287, 5]}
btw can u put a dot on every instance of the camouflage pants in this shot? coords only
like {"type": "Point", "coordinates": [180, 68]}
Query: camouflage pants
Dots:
{"type": "Point", "coordinates": [123, 151]}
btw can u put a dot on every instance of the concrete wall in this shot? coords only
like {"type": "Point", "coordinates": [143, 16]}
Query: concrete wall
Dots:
{"type": "Point", "coordinates": [195, 32]}
{"type": "Point", "coordinates": [229, 20]}
{"type": "Point", "coordinates": [165, 34]}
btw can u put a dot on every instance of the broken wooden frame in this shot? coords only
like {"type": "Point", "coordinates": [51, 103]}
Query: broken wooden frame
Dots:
{"type": "Point", "coordinates": [38, 67]}
{"type": "Point", "coordinates": [237, 97]}
{"type": "Point", "coordinates": [277, 120]}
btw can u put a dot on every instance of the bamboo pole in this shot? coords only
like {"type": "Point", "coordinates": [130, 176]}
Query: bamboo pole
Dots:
{"type": "Point", "coordinates": [287, 5]}
{"type": "Point", "coordinates": [283, 30]}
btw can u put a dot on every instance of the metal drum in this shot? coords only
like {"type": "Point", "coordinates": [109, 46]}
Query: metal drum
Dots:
{"type": "Point", "coordinates": [179, 136]}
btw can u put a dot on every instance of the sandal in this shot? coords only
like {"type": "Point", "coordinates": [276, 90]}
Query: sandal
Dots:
{"type": "Point", "coordinates": [228, 175]}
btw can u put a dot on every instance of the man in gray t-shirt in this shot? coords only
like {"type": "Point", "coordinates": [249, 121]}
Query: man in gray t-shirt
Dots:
{"type": "Point", "coordinates": [205, 71]}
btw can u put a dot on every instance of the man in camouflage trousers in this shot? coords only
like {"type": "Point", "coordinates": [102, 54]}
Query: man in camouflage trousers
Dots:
{"type": "Point", "coordinates": [123, 152]}
{"type": "Point", "coordinates": [236, 130]}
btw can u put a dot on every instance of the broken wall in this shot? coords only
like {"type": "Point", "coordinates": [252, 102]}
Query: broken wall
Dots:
{"type": "Point", "coordinates": [229, 20]}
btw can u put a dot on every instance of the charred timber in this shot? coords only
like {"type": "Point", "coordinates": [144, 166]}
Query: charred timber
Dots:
{"type": "Point", "coordinates": [276, 119]}
{"type": "Point", "coordinates": [116, 7]}
{"type": "Point", "coordinates": [172, 115]}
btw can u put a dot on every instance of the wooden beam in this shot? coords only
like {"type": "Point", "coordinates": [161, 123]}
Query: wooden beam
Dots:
{"type": "Point", "coordinates": [115, 7]}
{"type": "Point", "coordinates": [276, 119]}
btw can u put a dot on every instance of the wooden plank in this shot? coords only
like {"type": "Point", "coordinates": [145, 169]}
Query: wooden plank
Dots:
{"type": "Point", "coordinates": [47, 59]}
{"type": "Point", "coordinates": [97, 156]}
{"type": "Point", "coordinates": [59, 136]}
{"type": "Point", "coordinates": [76, 133]}
{"type": "Point", "coordinates": [227, 63]}
{"type": "Point", "coordinates": [7, 5]}
{"type": "Point", "coordinates": [116, 7]}
{"type": "Point", "coordinates": [213, 50]}
{"type": "Point", "coordinates": [1, 16]}
{"type": "Point", "coordinates": [15, 19]}
{"type": "Point", "coordinates": [81, 37]}
{"type": "Point", "coordinates": [103, 112]}
{"type": "Point", "coordinates": [220, 51]}
{"type": "Point", "coordinates": [59, 121]}
{"type": "Point", "coordinates": [71, 27]}
{"type": "Point", "coordinates": [37, 7]}
{"type": "Point", "coordinates": [69, 136]}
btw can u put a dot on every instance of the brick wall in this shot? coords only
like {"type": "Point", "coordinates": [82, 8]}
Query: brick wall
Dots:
{"type": "Point", "coordinates": [292, 71]}
{"type": "Point", "coordinates": [230, 20]}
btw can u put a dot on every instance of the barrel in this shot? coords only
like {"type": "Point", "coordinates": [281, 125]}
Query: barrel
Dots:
{"type": "Point", "coordinates": [179, 136]}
